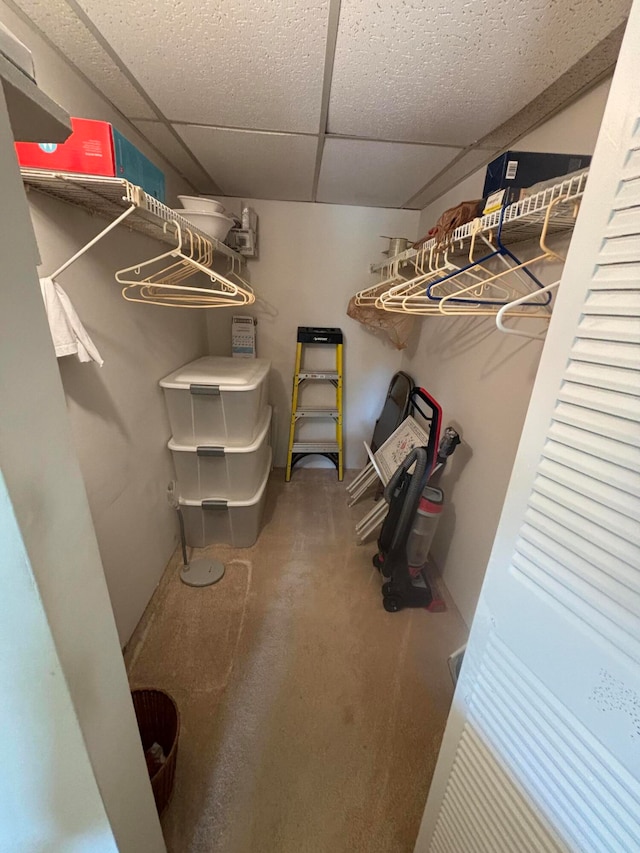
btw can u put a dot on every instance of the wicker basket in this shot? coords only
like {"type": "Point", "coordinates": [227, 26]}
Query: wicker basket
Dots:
{"type": "Point", "coordinates": [159, 722]}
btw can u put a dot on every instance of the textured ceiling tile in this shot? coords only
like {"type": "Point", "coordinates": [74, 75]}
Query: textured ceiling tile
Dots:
{"type": "Point", "coordinates": [57, 21]}
{"type": "Point", "coordinates": [159, 135]}
{"type": "Point", "coordinates": [590, 67]}
{"type": "Point", "coordinates": [255, 165]}
{"type": "Point", "coordinates": [466, 165]}
{"type": "Point", "coordinates": [379, 174]}
{"type": "Point", "coordinates": [247, 63]}
{"type": "Point", "coordinates": [450, 71]}
{"type": "Point", "coordinates": [573, 131]}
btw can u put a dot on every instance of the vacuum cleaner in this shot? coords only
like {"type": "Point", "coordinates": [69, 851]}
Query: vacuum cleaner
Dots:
{"type": "Point", "coordinates": [404, 585]}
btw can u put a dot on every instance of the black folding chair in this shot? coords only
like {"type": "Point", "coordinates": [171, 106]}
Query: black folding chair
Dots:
{"type": "Point", "coordinates": [395, 409]}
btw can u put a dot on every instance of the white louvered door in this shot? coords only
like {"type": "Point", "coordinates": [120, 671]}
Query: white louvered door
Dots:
{"type": "Point", "coordinates": [542, 748]}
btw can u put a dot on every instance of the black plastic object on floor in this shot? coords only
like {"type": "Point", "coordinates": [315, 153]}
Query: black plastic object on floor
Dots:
{"type": "Point", "coordinates": [395, 409]}
{"type": "Point", "coordinates": [401, 588]}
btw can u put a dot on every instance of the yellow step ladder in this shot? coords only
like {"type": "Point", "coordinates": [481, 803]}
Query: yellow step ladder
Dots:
{"type": "Point", "coordinates": [332, 450]}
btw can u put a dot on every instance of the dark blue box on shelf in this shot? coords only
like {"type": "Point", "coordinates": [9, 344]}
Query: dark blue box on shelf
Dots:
{"type": "Point", "coordinates": [525, 168]}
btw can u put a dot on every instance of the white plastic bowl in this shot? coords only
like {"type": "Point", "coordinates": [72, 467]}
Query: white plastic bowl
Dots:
{"type": "Point", "coordinates": [215, 225]}
{"type": "Point", "coordinates": [201, 205]}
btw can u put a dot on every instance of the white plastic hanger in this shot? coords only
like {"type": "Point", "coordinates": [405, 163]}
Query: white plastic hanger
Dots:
{"type": "Point", "coordinates": [157, 282]}
{"type": "Point", "coordinates": [508, 311]}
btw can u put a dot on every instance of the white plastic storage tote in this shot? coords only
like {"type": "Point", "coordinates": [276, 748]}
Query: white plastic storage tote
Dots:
{"type": "Point", "coordinates": [216, 471]}
{"type": "Point", "coordinates": [217, 401]}
{"type": "Point", "coordinates": [218, 522]}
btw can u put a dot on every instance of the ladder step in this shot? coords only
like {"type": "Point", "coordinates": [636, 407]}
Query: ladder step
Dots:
{"type": "Point", "coordinates": [319, 335]}
{"type": "Point", "coordinates": [312, 374]}
{"type": "Point", "coordinates": [329, 409]}
{"type": "Point", "coordinates": [317, 412]}
{"type": "Point", "coordinates": [315, 447]}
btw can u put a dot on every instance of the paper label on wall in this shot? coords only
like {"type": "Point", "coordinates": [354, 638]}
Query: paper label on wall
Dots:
{"type": "Point", "coordinates": [243, 337]}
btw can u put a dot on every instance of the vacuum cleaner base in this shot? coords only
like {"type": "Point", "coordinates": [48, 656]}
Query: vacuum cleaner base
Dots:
{"type": "Point", "coordinates": [414, 591]}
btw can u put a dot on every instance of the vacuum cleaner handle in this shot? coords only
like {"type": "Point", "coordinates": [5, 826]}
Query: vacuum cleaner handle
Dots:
{"type": "Point", "coordinates": [448, 443]}
{"type": "Point", "coordinates": [414, 456]}
{"type": "Point", "coordinates": [402, 509]}
{"type": "Point", "coordinates": [435, 417]}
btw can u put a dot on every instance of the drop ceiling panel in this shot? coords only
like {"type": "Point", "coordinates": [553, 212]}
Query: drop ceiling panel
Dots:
{"type": "Point", "coordinates": [73, 39]}
{"type": "Point", "coordinates": [469, 163]}
{"type": "Point", "coordinates": [379, 174]}
{"type": "Point", "coordinates": [255, 165]}
{"type": "Point", "coordinates": [160, 135]}
{"type": "Point", "coordinates": [247, 63]}
{"type": "Point", "coordinates": [598, 62]}
{"type": "Point", "coordinates": [450, 71]}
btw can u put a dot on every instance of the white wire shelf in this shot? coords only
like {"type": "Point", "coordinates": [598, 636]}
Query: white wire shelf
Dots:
{"type": "Point", "coordinates": [109, 197]}
{"type": "Point", "coordinates": [521, 221]}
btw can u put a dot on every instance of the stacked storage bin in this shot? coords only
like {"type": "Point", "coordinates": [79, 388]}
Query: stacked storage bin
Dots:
{"type": "Point", "coordinates": [221, 447]}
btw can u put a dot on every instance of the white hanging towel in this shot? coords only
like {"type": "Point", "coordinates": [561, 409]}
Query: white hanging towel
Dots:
{"type": "Point", "coordinates": [69, 335]}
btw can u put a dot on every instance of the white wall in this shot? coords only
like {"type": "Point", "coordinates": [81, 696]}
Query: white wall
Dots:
{"type": "Point", "coordinates": [483, 381]}
{"type": "Point", "coordinates": [117, 412]}
{"type": "Point", "coordinates": [47, 492]}
{"type": "Point", "coordinates": [40, 739]}
{"type": "Point", "coordinates": [118, 417]}
{"type": "Point", "coordinates": [313, 257]}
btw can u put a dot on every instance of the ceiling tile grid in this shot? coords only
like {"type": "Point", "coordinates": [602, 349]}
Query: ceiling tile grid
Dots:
{"type": "Point", "coordinates": [377, 174]}
{"type": "Point", "coordinates": [249, 63]}
{"type": "Point", "coordinates": [470, 162]}
{"type": "Point", "coordinates": [164, 140]}
{"type": "Point", "coordinates": [255, 165]}
{"type": "Point", "coordinates": [389, 111]}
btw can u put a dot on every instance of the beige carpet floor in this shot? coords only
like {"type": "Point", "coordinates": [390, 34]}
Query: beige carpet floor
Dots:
{"type": "Point", "coordinates": [311, 718]}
